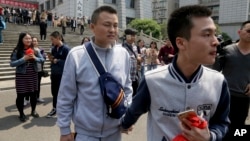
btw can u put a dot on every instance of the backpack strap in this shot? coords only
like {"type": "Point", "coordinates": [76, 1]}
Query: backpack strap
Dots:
{"type": "Point", "coordinates": [129, 48]}
{"type": "Point", "coordinates": [94, 58]}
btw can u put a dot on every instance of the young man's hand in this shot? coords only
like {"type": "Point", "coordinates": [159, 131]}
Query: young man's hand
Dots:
{"type": "Point", "coordinates": [247, 90]}
{"type": "Point", "coordinates": [194, 133]}
{"type": "Point", "coordinates": [162, 63]}
{"type": "Point", "coordinates": [126, 131]}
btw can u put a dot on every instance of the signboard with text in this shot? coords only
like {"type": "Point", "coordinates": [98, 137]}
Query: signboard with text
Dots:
{"type": "Point", "coordinates": [13, 3]}
{"type": "Point", "coordinates": [79, 9]}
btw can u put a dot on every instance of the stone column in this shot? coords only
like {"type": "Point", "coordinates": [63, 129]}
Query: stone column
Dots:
{"type": "Point", "coordinates": [121, 9]}
{"type": "Point", "coordinates": [139, 9]}
{"type": "Point", "coordinates": [99, 3]}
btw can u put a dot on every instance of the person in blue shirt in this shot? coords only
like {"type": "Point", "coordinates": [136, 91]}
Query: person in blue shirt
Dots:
{"type": "Point", "coordinates": [2, 27]}
{"type": "Point", "coordinates": [57, 57]}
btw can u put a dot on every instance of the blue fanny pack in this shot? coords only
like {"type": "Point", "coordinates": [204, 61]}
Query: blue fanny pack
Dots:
{"type": "Point", "coordinates": [111, 89]}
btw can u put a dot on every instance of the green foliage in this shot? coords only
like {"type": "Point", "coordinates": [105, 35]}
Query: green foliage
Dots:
{"type": "Point", "coordinates": [147, 26]}
{"type": "Point", "coordinates": [225, 36]}
{"type": "Point", "coordinates": [164, 31]}
{"type": "Point", "coordinates": [218, 31]}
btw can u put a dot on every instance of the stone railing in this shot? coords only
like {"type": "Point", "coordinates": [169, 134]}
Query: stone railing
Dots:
{"type": "Point", "coordinates": [146, 38]}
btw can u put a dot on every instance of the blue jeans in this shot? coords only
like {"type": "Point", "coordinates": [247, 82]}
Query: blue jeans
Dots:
{"type": "Point", "coordinates": [49, 23]}
{"type": "Point", "coordinates": [151, 67]}
{"type": "Point", "coordinates": [1, 36]}
{"type": "Point", "coordinates": [141, 72]}
{"type": "Point", "coordinates": [14, 19]}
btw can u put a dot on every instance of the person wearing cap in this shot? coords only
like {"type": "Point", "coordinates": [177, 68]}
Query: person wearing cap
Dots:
{"type": "Point", "coordinates": [129, 44]}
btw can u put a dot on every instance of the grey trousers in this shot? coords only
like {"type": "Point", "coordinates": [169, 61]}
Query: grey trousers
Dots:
{"type": "Point", "coordinates": [114, 137]}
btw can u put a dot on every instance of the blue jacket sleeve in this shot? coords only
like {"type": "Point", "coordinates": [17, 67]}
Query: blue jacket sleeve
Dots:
{"type": "Point", "coordinates": [218, 124]}
{"type": "Point", "coordinates": [62, 58]}
{"type": "Point", "coordinates": [39, 58]}
{"type": "Point", "coordinates": [14, 61]}
{"type": "Point", "coordinates": [140, 105]}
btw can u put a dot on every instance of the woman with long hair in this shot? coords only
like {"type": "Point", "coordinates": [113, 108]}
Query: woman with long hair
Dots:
{"type": "Point", "coordinates": [25, 59]}
{"type": "Point", "coordinates": [84, 40]}
{"type": "Point", "coordinates": [141, 51]}
{"type": "Point", "coordinates": [152, 56]}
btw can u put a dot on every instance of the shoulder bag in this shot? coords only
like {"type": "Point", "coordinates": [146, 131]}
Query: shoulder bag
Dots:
{"type": "Point", "coordinates": [111, 89]}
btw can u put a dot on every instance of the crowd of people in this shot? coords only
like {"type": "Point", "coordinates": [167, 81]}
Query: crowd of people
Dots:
{"type": "Point", "coordinates": [182, 82]}
{"type": "Point", "coordinates": [32, 16]}
{"type": "Point", "coordinates": [18, 15]}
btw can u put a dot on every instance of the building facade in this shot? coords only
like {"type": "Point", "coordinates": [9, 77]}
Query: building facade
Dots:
{"type": "Point", "coordinates": [127, 9]}
{"type": "Point", "coordinates": [232, 14]}
{"type": "Point", "coordinates": [229, 14]}
{"type": "Point", "coordinates": [161, 9]}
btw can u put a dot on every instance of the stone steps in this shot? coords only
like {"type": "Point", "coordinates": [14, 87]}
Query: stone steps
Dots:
{"type": "Point", "coordinates": [11, 34]}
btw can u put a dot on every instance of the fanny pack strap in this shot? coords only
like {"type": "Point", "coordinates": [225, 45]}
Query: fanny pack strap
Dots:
{"type": "Point", "coordinates": [95, 59]}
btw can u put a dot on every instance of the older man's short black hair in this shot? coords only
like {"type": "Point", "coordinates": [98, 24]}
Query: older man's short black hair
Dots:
{"type": "Point", "coordinates": [130, 31]}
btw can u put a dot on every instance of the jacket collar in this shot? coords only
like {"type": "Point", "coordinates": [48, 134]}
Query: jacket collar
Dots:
{"type": "Point", "coordinates": [178, 75]}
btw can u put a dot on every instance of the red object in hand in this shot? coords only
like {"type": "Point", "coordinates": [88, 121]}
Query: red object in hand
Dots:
{"type": "Point", "coordinates": [29, 51]}
{"type": "Point", "coordinates": [180, 138]}
{"type": "Point", "coordinates": [196, 122]}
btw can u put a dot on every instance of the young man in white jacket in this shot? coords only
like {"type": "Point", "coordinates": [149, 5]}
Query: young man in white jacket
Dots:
{"type": "Point", "coordinates": [185, 83]}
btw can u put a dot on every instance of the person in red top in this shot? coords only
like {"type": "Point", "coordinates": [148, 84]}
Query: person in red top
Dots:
{"type": "Point", "coordinates": [166, 53]}
{"type": "Point", "coordinates": [1, 10]}
{"type": "Point", "coordinates": [2, 26]}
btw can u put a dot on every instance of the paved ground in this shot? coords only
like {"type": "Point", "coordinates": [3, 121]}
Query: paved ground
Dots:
{"type": "Point", "coordinates": [41, 129]}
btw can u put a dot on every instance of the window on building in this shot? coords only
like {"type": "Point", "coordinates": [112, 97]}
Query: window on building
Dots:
{"type": "Point", "coordinates": [216, 19]}
{"type": "Point", "coordinates": [153, 5]}
{"type": "Point", "coordinates": [42, 7]}
{"type": "Point", "coordinates": [130, 3]}
{"type": "Point", "coordinates": [154, 14]}
{"type": "Point", "coordinates": [128, 20]}
{"type": "Point", "coordinates": [208, 1]}
{"type": "Point", "coordinates": [47, 5]}
{"type": "Point", "coordinates": [162, 4]}
{"type": "Point", "coordinates": [60, 1]}
{"type": "Point", "coordinates": [162, 13]}
{"type": "Point", "coordinates": [216, 10]}
{"type": "Point", "coordinates": [110, 1]}
{"type": "Point", "coordinates": [53, 3]}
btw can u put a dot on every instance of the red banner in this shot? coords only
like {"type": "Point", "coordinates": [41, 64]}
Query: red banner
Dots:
{"type": "Point", "coordinates": [14, 3]}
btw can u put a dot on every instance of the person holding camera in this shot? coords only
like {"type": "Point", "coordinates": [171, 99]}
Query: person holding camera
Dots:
{"type": "Point", "coordinates": [57, 57]}
{"type": "Point", "coordinates": [184, 84]}
{"type": "Point", "coordinates": [234, 64]}
{"type": "Point", "coordinates": [80, 97]}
